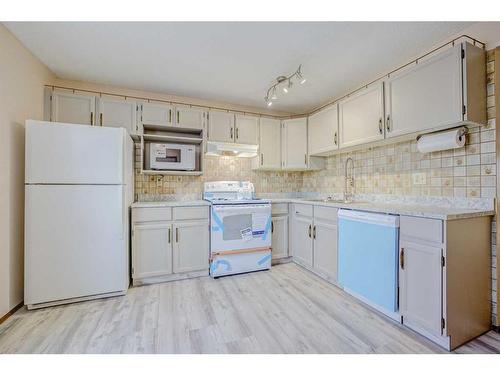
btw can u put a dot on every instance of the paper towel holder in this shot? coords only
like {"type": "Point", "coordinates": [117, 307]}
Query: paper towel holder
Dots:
{"type": "Point", "coordinates": [463, 131]}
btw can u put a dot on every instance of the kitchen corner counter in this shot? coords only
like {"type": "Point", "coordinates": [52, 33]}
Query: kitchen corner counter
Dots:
{"type": "Point", "coordinates": [174, 203]}
{"type": "Point", "coordinates": [428, 211]}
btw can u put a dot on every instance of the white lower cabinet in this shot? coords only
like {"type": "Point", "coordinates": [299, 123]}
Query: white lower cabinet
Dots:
{"type": "Point", "coordinates": [421, 285]}
{"type": "Point", "coordinates": [169, 247]}
{"type": "Point", "coordinates": [152, 250]}
{"type": "Point", "coordinates": [444, 277]}
{"type": "Point", "coordinates": [314, 239]}
{"type": "Point", "coordinates": [325, 242]}
{"type": "Point", "coordinates": [190, 248]}
{"type": "Point", "coordinates": [279, 230]}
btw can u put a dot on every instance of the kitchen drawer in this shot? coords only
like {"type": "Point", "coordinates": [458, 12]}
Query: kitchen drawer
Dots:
{"type": "Point", "coordinates": [418, 228]}
{"type": "Point", "coordinates": [279, 208]}
{"type": "Point", "coordinates": [151, 214]}
{"type": "Point", "coordinates": [325, 213]}
{"type": "Point", "coordinates": [303, 209]}
{"type": "Point", "coordinates": [188, 213]}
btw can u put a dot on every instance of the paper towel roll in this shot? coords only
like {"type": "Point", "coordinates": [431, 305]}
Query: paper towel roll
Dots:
{"type": "Point", "coordinates": [442, 141]}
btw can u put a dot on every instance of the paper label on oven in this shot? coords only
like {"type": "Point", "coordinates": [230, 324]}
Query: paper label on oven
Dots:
{"type": "Point", "coordinates": [246, 234]}
{"type": "Point", "coordinates": [259, 222]}
{"type": "Point", "coordinates": [161, 150]}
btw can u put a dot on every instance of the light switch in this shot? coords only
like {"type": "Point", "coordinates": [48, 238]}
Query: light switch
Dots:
{"type": "Point", "coordinates": [418, 178]}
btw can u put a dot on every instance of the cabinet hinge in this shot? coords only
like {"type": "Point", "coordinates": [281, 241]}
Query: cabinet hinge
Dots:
{"type": "Point", "coordinates": [464, 110]}
{"type": "Point", "coordinates": [443, 261]}
{"type": "Point", "coordinates": [443, 323]}
{"type": "Point", "coordinates": [463, 53]}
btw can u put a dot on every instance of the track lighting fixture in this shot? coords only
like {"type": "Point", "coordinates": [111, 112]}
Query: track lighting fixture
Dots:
{"type": "Point", "coordinates": [285, 83]}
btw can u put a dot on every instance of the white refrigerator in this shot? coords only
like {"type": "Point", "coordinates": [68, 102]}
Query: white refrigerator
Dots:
{"type": "Point", "coordinates": [78, 190]}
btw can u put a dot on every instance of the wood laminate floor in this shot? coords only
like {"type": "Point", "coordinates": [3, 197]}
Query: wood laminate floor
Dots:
{"type": "Point", "coordinates": [285, 310]}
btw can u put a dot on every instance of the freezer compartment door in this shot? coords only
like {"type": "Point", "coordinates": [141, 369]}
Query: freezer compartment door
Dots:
{"type": "Point", "coordinates": [75, 242]}
{"type": "Point", "coordinates": [236, 227]}
{"type": "Point", "coordinates": [59, 153]}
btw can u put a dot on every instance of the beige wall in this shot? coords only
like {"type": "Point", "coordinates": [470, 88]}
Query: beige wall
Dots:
{"type": "Point", "coordinates": [22, 78]}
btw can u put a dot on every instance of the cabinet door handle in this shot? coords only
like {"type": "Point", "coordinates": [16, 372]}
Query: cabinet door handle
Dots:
{"type": "Point", "coordinates": [261, 159]}
{"type": "Point", "coordinates": [309, 232]}
{"type": "Point", "coordinates": [314, 232]}
{"type": "Point", "coordinates": [178, 117]}
{"type": "Point", "coordinates": [170, 115]}
{"type": "Point", "coordinates": [176, 234]}
{"type": "Point", "coordinates": [335, 139]}
{"type": "Point", "coordinates": [169, 235]}
{"type": "Point", "coordinates": [402, 259]}
{"type": "Point", "coordinates": [100, 118]}
{"type": "Point", "coordinates": [231, 133]}
{"type": "Point", "coordinates": [91, 118]}
{"type": "Point", "coordinates": [272, 227]}
{"type": "Point", "coordinates": [305, 159]}
{"type": "Point", "coordinates": [237, 133]}
{"type": "Point", "coordinates": [388, 123]}
{"type": "Point", "coordinates": [380, 128]}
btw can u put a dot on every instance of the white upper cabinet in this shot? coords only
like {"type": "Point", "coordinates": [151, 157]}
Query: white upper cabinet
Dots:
{"type": "Point", "coordinates": [436, 92]}
{"type": "Point", "coordinates": [158, 114]}
{"type": "Point", "coordinates": [115, 112]}
{"type": "Point", "coordinates": [361, 116]}
{"type": "Point", "coordinates": [73, 107]}
{"type": "Point", "coordinates": [246, 129]}
{"type": "Point", "coordinates": [323, 131]}
{"type": "Point", "coordinates": [294, 141]}
{"type": "Point", "coordinates": [221, 126]}
{"type": "Point", "coordinates": [427, 95]}
{"type": "Point", "coordinates": [190, 117]}
{"type": "Point", "coordinates": [269, 143]}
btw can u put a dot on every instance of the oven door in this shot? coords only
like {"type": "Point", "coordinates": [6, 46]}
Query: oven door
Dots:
{"type": "Point", "coordinates": [240, 227]}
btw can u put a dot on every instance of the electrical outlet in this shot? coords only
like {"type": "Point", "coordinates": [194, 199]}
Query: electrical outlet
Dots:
{"type": "Point", "coordinates": [418, 178]}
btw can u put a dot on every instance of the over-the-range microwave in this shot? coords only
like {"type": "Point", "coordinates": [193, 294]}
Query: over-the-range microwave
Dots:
{"type": "Point", "coordinates": [172, 156]}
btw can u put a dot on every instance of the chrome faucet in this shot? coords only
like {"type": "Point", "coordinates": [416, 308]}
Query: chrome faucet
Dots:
{"type": "Point", "coordinates": [349, 181]}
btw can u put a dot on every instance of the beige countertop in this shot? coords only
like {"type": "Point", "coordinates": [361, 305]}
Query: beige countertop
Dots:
{"type": "Point", "coordinates": [395, 208]}
{"type": "Point", "coordinates": [174, 203]}
{"type": "Point", "coordinates": [428, 211]}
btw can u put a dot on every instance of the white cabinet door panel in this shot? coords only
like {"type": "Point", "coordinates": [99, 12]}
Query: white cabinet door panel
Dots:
{"type": "Point", "coordinates": [427, 95]}
{"type": "Point", "coordinates": [73, 108]}
{"type": "Point", "coordinates": [302, 243]}
{"type": "Point", "coordinates": [190, 252]}
{"type": "Point", "coordinates": [361, 117]}
{"type": "Point", "coordinates": [118, 113]}
{"type": "Point", "coordinates": [270, 143]}
{"type": "Point", "coordinates": [246, 129]}
{"type": "Point", "coordinates": [323, 130]}
{"type": "Point", "coordinates": [158, 114]}
{"type": "Point", "coordinates": [294, 141]}
{"type": "Point", "coordinates": [325, 247]}
{"type": "Point", "coordinates": [221, 126]}
{"type": "Point", "coordinates": [279, 229]}
{"type": "Point", "coordinates": [190, 117]}
{"type": "Point", "coordinates": [420, 283]}
{"type": "Point", "coordinates": [152, 250]}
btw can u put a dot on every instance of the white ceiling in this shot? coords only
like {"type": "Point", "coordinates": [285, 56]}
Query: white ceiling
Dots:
{"type": "Point", "coordinates": [231, 62]}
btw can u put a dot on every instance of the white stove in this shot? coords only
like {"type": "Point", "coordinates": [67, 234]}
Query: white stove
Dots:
{"type": "Point", "coordinates": [240, 235]}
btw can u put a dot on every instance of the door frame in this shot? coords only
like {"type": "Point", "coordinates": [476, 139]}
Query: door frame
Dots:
{"type": "Point", "coordinates": [497, 106]}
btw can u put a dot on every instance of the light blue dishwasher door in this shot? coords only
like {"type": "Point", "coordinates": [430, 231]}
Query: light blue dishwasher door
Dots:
{"type": "Point", "coordinates": [368, 257]}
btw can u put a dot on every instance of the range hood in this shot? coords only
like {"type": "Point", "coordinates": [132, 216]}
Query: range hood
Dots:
{"type": "Point", "coordinates": [231, 149]}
